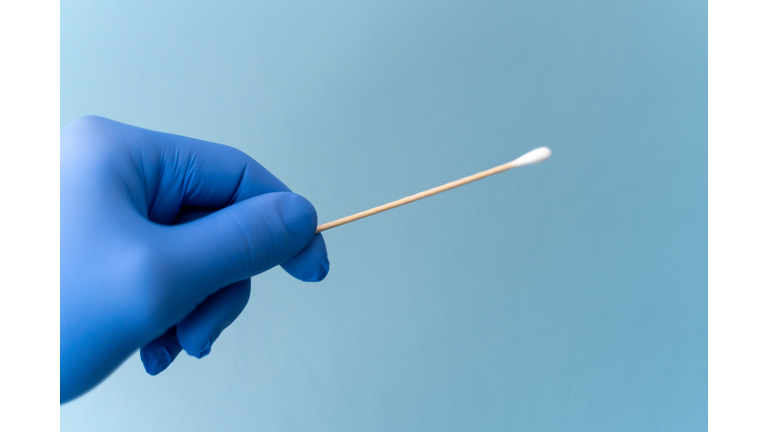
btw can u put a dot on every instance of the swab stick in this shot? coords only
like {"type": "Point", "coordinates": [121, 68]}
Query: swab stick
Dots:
{"type": "Point", "coordinates": [532, 157]}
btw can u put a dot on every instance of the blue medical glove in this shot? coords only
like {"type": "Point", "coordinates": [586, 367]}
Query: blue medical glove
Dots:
{"type": "Point", "coordinates": [160, 235]}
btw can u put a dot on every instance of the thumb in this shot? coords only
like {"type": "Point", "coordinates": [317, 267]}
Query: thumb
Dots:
{"type": "Point", "coordinates": [232, 244]}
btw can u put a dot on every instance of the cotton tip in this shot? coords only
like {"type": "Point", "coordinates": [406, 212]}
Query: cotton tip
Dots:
{"type": "Point", "coordinates": [532, 157]}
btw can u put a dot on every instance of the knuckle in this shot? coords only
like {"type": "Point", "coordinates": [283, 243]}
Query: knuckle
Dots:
{"type": "Point", "coordinates": [85, 125]}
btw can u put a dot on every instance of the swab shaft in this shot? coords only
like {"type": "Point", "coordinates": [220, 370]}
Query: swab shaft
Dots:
{"type": "Point", "coordinates": [416, 197]}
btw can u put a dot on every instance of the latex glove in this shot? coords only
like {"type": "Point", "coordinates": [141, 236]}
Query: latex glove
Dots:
{"type": "Point", "coordinates": [147, 262]}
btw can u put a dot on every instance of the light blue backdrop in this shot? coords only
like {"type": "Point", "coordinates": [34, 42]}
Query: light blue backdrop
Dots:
{"type": "Point", "coordinates": [568, 296]}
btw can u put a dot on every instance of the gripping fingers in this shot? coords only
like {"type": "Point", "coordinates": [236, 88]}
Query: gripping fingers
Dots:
{"type": "Point", "coordinates": [197, 332]}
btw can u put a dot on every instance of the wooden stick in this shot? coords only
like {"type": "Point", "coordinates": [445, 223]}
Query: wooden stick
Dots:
{"type": "Point", "coordinates": [534, 156]}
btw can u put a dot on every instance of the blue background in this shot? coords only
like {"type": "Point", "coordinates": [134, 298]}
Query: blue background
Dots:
{"type": "Point", "coordinates": [567, 296]}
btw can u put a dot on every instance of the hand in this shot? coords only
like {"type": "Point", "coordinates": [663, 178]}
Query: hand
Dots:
{"type": "Point", "coordinates": [160, 235]}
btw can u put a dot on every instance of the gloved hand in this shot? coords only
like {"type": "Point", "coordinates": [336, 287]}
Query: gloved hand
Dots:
{"type": "Point", "coordinates": [160, 235]}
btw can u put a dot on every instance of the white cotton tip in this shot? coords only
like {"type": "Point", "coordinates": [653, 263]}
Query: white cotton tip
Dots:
{"type": "Point", "coordinates": [532, 157]}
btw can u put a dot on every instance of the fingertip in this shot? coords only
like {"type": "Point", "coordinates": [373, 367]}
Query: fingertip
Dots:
{"type": "Point", "coordinates": [158, 354]}
{"type": "Point", "coordinates": [326, 267]}
{"type": "Point", "coordinates": [311, 264]}
{"type": "Point", "coordinates": [197, 338]}
{"type": "Point", "coordinates": [155, 360]}
{"type": "Point", "coordinates": [206, 349]}
{"type": "Point", "coordinates": [204, 353]}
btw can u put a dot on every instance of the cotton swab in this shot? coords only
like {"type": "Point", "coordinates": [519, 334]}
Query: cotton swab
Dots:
{"type": "Point", "coordinates": [532, 157]}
